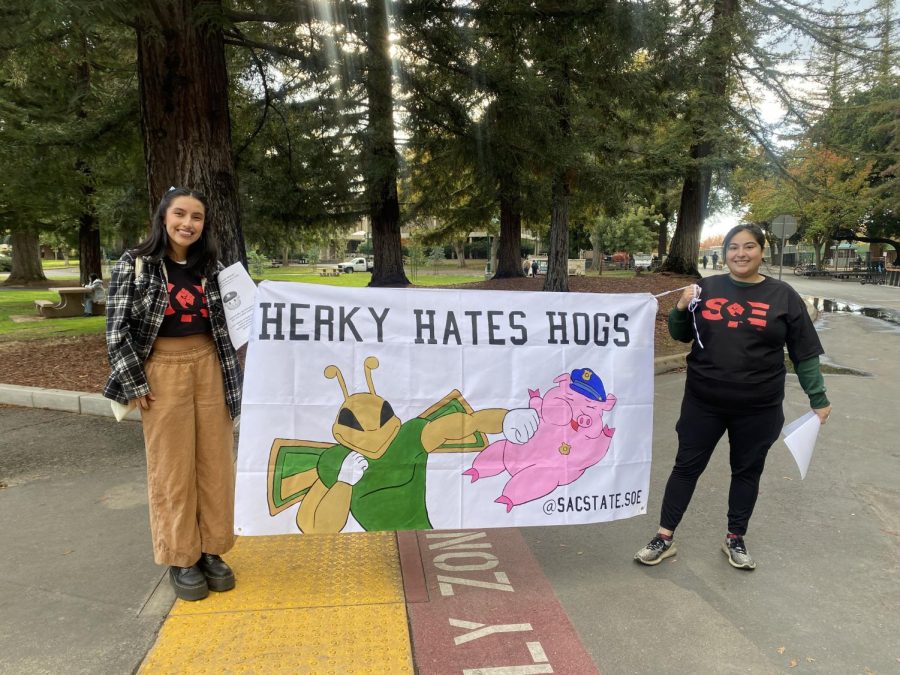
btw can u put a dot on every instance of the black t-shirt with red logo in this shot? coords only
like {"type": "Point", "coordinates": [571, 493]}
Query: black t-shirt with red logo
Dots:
{"type": "Point", "coordinates": [744, 330]}
{"type": "Point", "coordinates": [187, 313]}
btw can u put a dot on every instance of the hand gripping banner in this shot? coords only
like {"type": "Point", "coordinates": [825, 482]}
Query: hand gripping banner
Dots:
{"type": "Point", "coordinates": [401, 409]}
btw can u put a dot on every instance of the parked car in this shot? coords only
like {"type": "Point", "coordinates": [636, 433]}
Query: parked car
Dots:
{"type": "Point", "coordinates": [355, 265]}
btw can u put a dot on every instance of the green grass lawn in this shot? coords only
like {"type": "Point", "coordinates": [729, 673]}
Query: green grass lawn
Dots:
{"type": "Point", "coordinates": [21, 303]}
{"type": "Point", "coordinates": [59, 264]}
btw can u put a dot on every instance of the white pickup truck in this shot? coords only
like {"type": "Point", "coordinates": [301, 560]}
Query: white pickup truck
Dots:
{"type": "Point", "coordinates": [355, 265]}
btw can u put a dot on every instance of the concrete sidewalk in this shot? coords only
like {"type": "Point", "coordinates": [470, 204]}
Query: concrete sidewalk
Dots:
{"type": "Point", "coordinates": [79, 592]}
{"type": "Point", "coordinates": [76, 569]}
{"type": "Point", "coordinates": [825, 596]}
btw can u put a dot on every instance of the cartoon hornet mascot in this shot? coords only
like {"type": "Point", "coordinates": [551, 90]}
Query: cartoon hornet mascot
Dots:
{"type": "Point", "coordinates": [376, 471]}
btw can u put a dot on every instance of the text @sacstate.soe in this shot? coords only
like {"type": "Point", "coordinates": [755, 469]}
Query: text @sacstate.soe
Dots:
{"type": "Point", "coordinates": [587, 503]}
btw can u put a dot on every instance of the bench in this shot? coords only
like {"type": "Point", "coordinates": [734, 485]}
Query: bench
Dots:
{"type": "Point", "coordinates": [71, 303]}
{"type": "Point", "coordinates": [852, 275]}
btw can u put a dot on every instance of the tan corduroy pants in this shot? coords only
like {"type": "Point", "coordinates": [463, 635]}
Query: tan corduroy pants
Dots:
{"type": "Point", "coordinates": [189, 437]}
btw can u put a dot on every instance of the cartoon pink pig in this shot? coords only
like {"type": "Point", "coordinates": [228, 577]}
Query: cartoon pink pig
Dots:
{"type": "Point", "coordinates": [570, 437]}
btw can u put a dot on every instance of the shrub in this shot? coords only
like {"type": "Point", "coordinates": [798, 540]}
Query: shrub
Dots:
{"type": "Point", "coordinates": [480, 248]}
{"type": "Point", "coordinates": [5, 263]}
{"type": "Point", "coordinates": [257, 263]}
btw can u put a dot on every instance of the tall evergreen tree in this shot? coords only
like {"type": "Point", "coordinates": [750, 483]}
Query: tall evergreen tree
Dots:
{"type": "Point", "coordinates": [706, 120]}
{"type": "Point", "coordinates": [185, 118]}
{"type": "Point", "coordinates": [381, 162]}
{"type": "Point", "coordinates": [469, 92]}
{"type": "Point", "coordinates": [66, 99]}
{"type": "Point", "coordinates": [742, 53]}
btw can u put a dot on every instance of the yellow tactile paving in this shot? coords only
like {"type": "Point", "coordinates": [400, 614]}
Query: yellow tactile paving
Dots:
{"type": "Point", "coordinates": [303, 604]}
{"type": "Point", "coordinates": [307, 571]}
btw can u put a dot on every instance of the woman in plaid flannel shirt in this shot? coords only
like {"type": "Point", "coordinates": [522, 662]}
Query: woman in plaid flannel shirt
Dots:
{"type": "Point", "coordinates": [171, 356]}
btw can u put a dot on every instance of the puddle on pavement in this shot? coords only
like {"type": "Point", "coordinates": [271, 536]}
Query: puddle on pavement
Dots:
{"type": "Point", "coordinates": [829, 306]}
{"type": "Point", "coordinates": [829, 368]}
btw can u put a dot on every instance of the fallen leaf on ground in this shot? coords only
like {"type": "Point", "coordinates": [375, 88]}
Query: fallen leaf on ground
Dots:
{"type": "Point", "coordinates": [780, 650]}
{"type": "Point", "coordinates": [794, 663]}
{"type": "Point", "coordinates": [810, 659]}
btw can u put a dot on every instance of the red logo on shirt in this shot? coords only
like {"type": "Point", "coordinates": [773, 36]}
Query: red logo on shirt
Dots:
{"type": "Point", "coordinates": [735, 313]}
{"type": "Point", "coordinates": [185, 299]}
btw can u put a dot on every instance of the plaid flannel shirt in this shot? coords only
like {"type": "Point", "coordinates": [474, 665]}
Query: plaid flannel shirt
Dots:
{"type": "Point", "coordinates": [134, 313]}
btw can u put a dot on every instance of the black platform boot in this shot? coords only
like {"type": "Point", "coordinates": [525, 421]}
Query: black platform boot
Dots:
{"type": "Point", "coordinates": [219, 576]}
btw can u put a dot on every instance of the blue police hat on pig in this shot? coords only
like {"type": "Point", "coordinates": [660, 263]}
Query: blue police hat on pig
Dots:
{"type": "Point", "coordinates": [586, 382]}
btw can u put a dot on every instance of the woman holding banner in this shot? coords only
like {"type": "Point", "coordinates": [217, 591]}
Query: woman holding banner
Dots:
{"type": "Point", "coordinates": [739, 324]}
{"type": "Point", "coordinates": [171, 356]}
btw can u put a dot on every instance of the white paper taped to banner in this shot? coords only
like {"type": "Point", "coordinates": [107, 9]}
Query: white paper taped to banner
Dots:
{"type": "Point", "coordinates": [400, 409]}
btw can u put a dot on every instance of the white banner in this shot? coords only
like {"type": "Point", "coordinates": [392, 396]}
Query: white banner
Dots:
{"type": "Point", "coordinates": [397, 409]}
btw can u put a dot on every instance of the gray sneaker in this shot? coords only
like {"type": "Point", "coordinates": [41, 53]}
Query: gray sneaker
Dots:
{"type": "Point", "coordinates": [656, 551]}
{"type": "Point", "coordinates": [737, 554]}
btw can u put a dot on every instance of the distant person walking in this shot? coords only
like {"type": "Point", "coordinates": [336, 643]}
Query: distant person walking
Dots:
{"type": "Point", "coordinates": [171, 356]}
{"type": "Point", "coordinates": [705, 260]}
{"type": "Point", "coordinates": [741, 323]}
{"type": "Point", "coordinates": [97, 295]}
{"type": "Point", "coordinates": [715, 260]}
{"type": "Point", "coordinates": [525, 267]}
{"type": "Point", "coordinates": [534, 268]}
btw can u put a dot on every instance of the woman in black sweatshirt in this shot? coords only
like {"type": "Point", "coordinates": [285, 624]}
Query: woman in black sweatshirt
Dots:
{"type": "Point", "coordinates": [739, 324]}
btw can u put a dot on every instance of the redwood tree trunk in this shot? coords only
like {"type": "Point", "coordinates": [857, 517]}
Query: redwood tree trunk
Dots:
{"type": "Point", "coordinates": [26, 259]}
{"type": "Point", "coordinates": [89, 258]}
{"type": "Point", "coordinates": [691, 214]}
{"type": "Point", "coordinates": [561, 191]}
{"type": "Point", "coordinates": [709, 117]}
{"type": "Point", "coordinates": [88, 227]}
{"type": "Point", "coordinates": [380, 165]}
{"type": "Point", "coordinates": [509, 254]}
{"type": "Point", "coordinates": [558, 256]}
{"type": "Point", "coordinates": [184, 112]}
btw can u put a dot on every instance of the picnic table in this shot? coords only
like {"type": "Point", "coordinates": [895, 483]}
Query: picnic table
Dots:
{"type": "Point", "coordinates": [71, 303]}
{"type": "Point", "coordinates": [330, 271]}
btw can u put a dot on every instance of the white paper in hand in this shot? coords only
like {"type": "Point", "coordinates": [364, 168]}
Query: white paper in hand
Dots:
{"type": "Point", "coordinates": [238, 293]}
{"type": "Point", "coordinates": [800, 437]}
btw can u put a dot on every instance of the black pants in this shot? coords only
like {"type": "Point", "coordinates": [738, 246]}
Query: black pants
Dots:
{"type": "Point", "coordinates": [750, 435]}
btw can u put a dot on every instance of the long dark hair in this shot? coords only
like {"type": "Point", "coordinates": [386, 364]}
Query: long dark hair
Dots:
{"type": "Point", "coordinates": [754, 230]}
{"type": "Point", "coordinates": [202, 254]}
